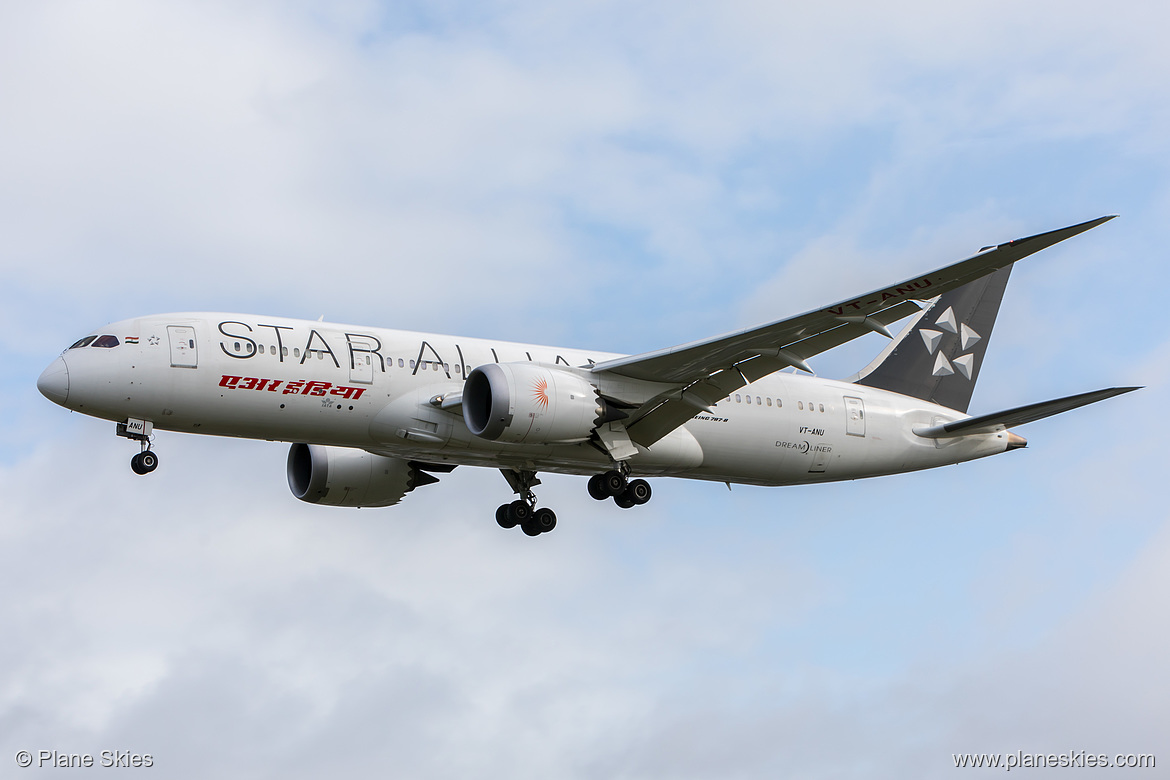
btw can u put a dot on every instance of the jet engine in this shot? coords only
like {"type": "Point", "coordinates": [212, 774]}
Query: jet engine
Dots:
{"type": "Point", "coordinates": [339, 476]}
{"type": "Point", "coordinates": [531, 404]}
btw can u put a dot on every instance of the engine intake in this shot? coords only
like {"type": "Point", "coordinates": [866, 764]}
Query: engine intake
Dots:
{"type": "Point", "coordinates": [525, 403]}
{"type": "Point", "coordinates": [338, 476]}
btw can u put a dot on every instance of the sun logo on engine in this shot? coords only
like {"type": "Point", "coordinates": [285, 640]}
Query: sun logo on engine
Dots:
{"type": "Point", "coordinates": [540, 391]}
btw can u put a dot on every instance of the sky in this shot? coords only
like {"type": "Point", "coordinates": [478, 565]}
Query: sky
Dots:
{"type": "Point", "coordinates": [610, 176]}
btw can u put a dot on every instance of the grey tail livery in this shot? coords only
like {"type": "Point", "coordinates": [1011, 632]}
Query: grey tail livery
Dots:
{"type": "Point", "coordinates": [937, 356]}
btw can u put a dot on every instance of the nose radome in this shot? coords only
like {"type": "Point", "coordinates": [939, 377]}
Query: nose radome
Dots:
{"type": "Point", "coordinates": [54, 382]}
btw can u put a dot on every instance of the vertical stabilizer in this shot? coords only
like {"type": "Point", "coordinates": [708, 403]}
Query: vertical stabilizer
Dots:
{"type": "Point", "coordinates": [937, 356]}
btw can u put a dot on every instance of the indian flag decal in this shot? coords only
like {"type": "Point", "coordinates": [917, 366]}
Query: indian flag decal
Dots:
{"type": "Point", "coordinates": [131, 339]}
{"type": "Point", "coordinates": [540, 391]}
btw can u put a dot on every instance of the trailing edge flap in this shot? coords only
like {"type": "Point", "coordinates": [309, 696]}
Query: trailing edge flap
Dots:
{"type": "Point", "coordinates": [998, 421]}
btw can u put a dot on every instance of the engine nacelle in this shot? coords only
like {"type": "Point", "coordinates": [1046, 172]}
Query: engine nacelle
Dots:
{"type": "Point", "coordinates": [530, 404]}
{"type": "Point", "coordinates": [338, 476]}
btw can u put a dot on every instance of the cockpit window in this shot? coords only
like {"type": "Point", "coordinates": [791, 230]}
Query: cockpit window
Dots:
{"type": "Point", "coordinates": [84, 342]}
{"type": "Point", "coordinates": [106, 341]}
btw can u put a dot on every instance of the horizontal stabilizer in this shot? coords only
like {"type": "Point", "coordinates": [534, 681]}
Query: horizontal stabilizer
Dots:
{"type": "Point", "coordinates": [998, 421]}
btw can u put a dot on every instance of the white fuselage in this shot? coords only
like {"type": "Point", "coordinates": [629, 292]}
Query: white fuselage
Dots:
{"type": "Point", "coordinates": [371, 388]}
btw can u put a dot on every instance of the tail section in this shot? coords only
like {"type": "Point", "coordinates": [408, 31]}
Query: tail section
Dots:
{"type": "Point", "coordinates": [937, 356]}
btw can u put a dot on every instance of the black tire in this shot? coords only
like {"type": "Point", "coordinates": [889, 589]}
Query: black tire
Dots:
{"type": "Point", "coordinates": [623, 500]}
{"type": "Point", "coordinates": [544, 519]}
{"type": "Point", "coordinates": [136, 464]}
{"type": "Point", "coordinates": [614, 481]}
{"type": "Point", "coordinates": [519, 512]}
{"type": "Point", "coordinates": [502, 517]}
{"type": "Point", "coordinates": [530, 527]}
{"type": "Point", "coordinates": [639, 491]}
{"type": "Point", "coordinates": [597, 487]}
{"type": "Point", "coordinates": [148, 460]}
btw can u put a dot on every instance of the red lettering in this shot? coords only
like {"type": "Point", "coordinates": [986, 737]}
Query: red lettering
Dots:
{"type": "Point", "coordinates": [316, 388]}
{"type": "Point", "coordinates": [229, 381]}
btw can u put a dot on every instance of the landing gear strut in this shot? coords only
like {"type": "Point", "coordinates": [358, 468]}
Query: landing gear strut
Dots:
{"type": "Point", "coordinates": [523, 511]}
{"type": "Point", "coordinates": [139, 430]}
{"type": "Point", "coordinates": [616, 485]}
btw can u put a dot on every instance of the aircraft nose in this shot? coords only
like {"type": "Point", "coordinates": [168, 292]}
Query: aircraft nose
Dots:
{"type": "Point", "coordinates": [54, 382]}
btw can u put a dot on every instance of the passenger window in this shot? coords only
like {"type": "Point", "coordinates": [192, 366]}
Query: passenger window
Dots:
{"type": "Point", "coordinates": [296, 352]}
{"type": "Point", "coordinates": [757, 400]}
{"type": "Point", "coordinates": [106, 341]}
{"type": "Point", "coordinates": [779, 403]}
{"type": "Point", "coordinates": [447, 367]}
{"type": "Point", "coordinates": [412, 364]}
{"type": "Point", "coordinates": [822, 406]}
{"type": "Point", "coordinates": [284, 351]}
{"type": "Point", "coordinates": [769, 400]}
{"type": "Point", "coordinates": [237, 346]}
{"type": "Point", "coordinates": [800, 405]}
{"type": "Point", "coordinates": [272, 350]}
{"type": "Point", "coordinates": [85, 342]}
{"type": "Point", "coordinates": [749, 399]}
{"type": "Point", "coordinates": [400, 362]}
{"type": "Point", "coordinates": [458, 368]}
{"type": "Point", "coordinates": [320, 355]}
{"type": "Point", "coordinates": [737, 398]}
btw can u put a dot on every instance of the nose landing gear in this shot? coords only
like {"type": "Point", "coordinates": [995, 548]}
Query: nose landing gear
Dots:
{"type": "Point", "coordinates": [140, 431]}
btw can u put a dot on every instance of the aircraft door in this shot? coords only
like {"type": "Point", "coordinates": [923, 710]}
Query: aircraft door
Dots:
{"type": "Point", "coordinates": [184, 353]}
{"type": "Point", "coordinates": [854, 416]}
{"type": "Point", "coordinates": [361, 361]}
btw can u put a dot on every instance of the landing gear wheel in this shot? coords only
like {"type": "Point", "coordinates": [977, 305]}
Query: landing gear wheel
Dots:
{"type": "Point", "coordinates": [144, 462]}
{"type": "Point", "coordinates": [624, 500]}
{"type": "Point", "coordinates": [503, 517]}
{"type": "Point", "coordinates": [614, 482]}
{"type": "Point", "coordinates": [518, 513]}
{"type": "Point", "coordinates": [638, 491]}
{"type": "Point", "coordinates": [544, 519]}
{"type": "Point", "coordinates": [597, 487]}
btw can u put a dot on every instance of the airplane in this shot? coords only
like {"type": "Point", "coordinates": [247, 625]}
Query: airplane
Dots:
{"type": "Point", "coordinates": [373, 414]}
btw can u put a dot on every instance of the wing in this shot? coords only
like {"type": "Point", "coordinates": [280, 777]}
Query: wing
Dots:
{"type": "Point", "coordinates": [709, 370]}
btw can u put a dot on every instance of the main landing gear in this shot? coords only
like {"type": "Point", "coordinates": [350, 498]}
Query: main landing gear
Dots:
{"type": "Point", "coordinates": [523, 511]}
{"type": "Point", "coordinates": [139, 430]}
{"type": "Point", "coordinates": [615, 484]}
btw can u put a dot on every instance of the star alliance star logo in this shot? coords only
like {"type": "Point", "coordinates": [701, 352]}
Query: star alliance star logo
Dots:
{"type": "Point", "coordinates": [153, 341]}
{"type": "Point", "coordinates": [964, 364]}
